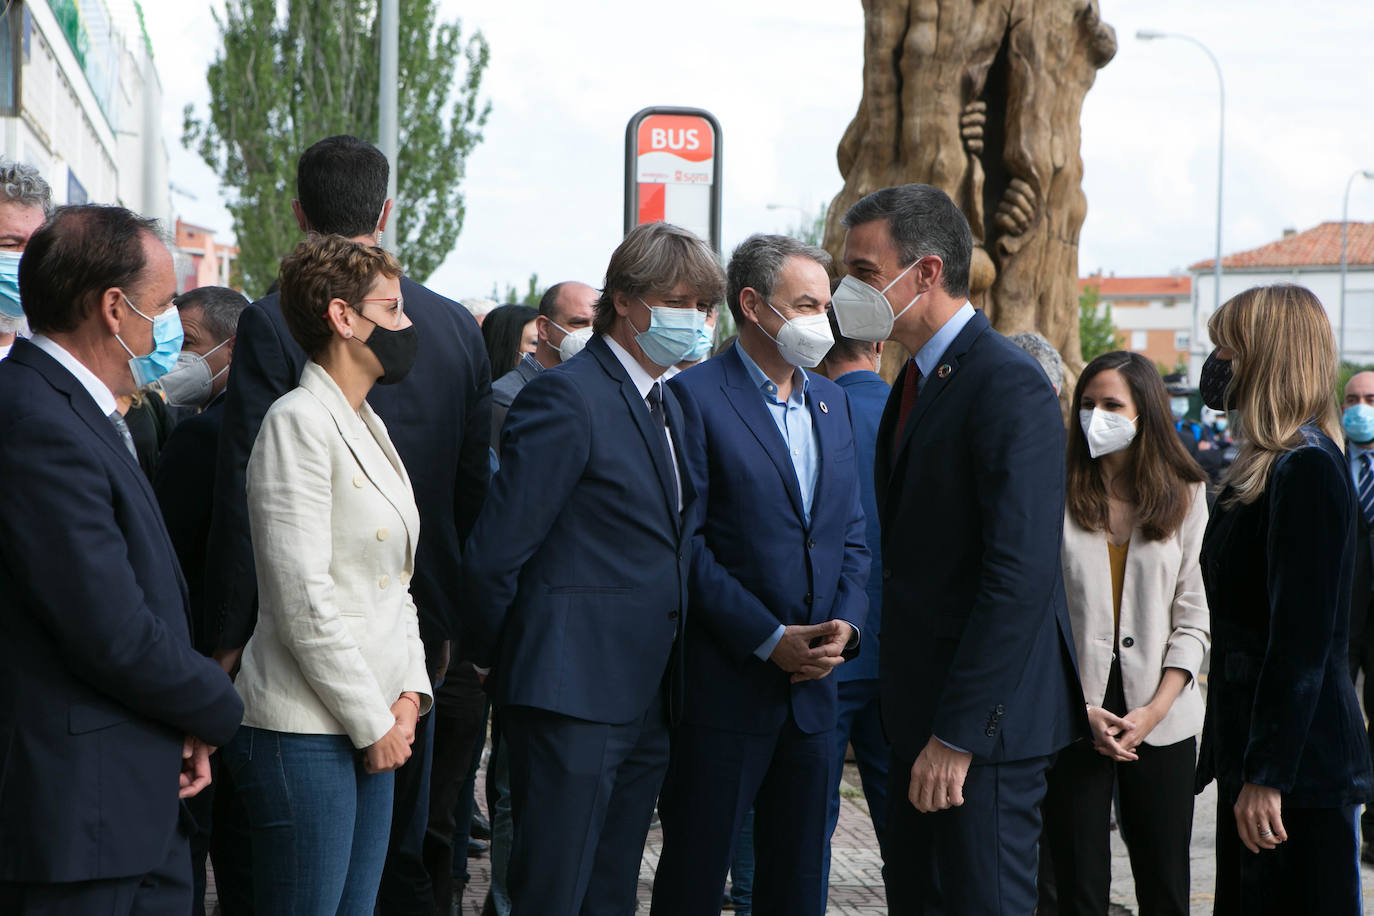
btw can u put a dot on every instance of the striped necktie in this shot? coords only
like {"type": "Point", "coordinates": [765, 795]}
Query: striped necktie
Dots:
{"type": "Point", "coordinates": [122, 428]}
{"type": "Point", "coordinates": [1366, 488]}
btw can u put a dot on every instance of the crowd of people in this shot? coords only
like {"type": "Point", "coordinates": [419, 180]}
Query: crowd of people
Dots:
{"type": "Point", "coordinates": [276, 578]}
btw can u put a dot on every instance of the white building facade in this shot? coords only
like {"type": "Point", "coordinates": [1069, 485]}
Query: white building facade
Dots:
{"type": "Point", "coordinates": [80, 100]}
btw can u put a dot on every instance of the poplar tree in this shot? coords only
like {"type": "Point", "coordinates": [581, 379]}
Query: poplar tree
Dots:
{"type": "Point", "coordinates": [290, 73]}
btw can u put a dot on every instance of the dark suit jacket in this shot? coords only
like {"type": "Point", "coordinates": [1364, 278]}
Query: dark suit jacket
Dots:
{"type": "Point", "coordinates": [867, 393]}
{"type": "Point", "coordinates": [438, 417]}
{"type": "Point", "coordinates": [1362, 587]}
{"type": "Point", "coordinates": [185, 488]}
{"type": "Point", "coordinates": [756, 563]}
{"type": "Point", "coordinates": [577, 568]}
{"type": "Point", "coordinates": [503, 394]}
{"type": "Point", "coordinates": [976, 642]}
{"type": "Point", "coordinates": [1281, 709]}
{"type": "Point", "coordinates": [99, 684]}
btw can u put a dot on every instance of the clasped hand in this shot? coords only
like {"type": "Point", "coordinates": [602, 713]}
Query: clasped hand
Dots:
{"type": "Point", "coordinates": [392, 750]}
{"type": "Point", "coordinates": [796, 655]}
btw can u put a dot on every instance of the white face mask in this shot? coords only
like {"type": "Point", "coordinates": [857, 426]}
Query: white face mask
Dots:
{"type": "Point", "coordinates": [190, 382]}
{"type": "Point", "coordinates": [573, 342]}
{"type": "Point", "coordinates": [1105, 431]}
{"type": "Point", "coordinates": [803, 341]}
{"type": "Point", "coordinates": [863, 312]}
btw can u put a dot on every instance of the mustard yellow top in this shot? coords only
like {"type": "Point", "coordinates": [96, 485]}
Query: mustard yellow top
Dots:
{"type": "Point", "coordinates": [1117, 555]}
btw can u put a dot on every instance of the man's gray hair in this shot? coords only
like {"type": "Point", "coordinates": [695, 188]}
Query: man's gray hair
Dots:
{"type": "Point", "coordinates": [220, 305]}
{"type": "Point", "coordinates": [756, 263]}
{"type": "Point", "coordinates": [20, 183]}
{"type": "Point", "coordinates": [1045, 354]}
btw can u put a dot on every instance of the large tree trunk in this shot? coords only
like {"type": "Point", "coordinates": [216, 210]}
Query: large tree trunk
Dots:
{"type": "Point", "coordinates": [982, 99]}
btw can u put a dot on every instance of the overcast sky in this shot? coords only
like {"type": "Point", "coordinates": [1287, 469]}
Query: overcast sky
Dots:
{"type": "Point", "coordinates": [544, 190]}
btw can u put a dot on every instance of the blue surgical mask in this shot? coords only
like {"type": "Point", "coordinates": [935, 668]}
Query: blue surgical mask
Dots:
{"type": "Point", "coordinates": [702, 348]}
{"type": "Point", "coordinates": [1358, 421]}
{"type": "Point", "coordinates": [671, 335]}
{"type": "Point", "coordinates": [9, 285]}
{"type": "Point", "coordinates": [167, 338]}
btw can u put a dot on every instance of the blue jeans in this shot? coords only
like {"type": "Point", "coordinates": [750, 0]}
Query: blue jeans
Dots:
{"type": "Point", "coordinates": [318, 819]}
{"type": "Point", "coordinates": [860, 724]}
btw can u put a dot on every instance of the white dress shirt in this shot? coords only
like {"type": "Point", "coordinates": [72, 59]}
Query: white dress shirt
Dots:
{"type": "Point", "coordinates": [98, 390]}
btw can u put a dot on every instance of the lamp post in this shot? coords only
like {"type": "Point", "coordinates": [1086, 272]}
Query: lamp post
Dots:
{"type": "Point", "coordinates": [1148, 35]}
{"type": "Point", "coordinates": [389, 67]}
{"type": "Point", "coordinates": [1345, 222]}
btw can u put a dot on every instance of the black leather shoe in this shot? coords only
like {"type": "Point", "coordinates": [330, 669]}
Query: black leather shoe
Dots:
{"type": "Point", "coordinates": [477, 849]}
{"type": "Point", "coordinates": [1367, 854]}
{"type": "Point", "coordinates": [480, 829]}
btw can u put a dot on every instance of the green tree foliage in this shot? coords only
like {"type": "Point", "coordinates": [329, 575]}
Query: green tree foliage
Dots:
{"type": "Point", "coordinates": [1096, 332]}
{"type": "Point", "coordinates": [290, 74]}
{"type": "Point", "coordinates": [811, 228]}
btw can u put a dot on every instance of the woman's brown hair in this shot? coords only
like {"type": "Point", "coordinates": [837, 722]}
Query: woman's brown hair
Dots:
{"type": "Point", "coordinates": [1161, 472]}
{"type": "Point", "coordinates": [322, 268]}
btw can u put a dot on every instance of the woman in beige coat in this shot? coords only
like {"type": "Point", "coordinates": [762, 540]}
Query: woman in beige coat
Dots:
{"type": "Point", "coordinates": [334, 676]}
{"type": "Point", "coordinates": [1133, 525]}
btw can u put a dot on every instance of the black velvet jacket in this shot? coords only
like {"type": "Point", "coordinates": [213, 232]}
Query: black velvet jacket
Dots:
{"type": "Point", "coordinates": [1281, 708]}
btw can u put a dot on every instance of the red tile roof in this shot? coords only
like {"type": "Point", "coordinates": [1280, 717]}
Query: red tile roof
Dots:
{"type": "Point", "coordinates": [1317, 247]}
{"type": "Point", "coordinates": [1139, 287]}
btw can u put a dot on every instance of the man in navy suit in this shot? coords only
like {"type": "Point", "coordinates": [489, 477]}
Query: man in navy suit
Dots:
{"type": "Point", "coordinates": [979, 684]}
{"type": "Point", "coordinates": [439, 418]}
{"type": "Point", "coordinates": [853, 365]}
{"type": "Point", "coordinates": [104, 704]}
{"type": "Point", "coordinates": [778, 574]}
{"type": "Point", "coordinates": [578, 570]}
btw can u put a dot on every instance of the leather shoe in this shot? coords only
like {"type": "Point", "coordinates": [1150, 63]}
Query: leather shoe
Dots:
{"type": "Point", "coordinates": [480, 829]}
{"type": "Point", "coordinates": [1367, 854]}
{"type": "Point", "coordinates": [477, 849]}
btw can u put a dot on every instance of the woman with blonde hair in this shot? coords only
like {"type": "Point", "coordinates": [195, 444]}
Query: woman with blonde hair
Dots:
{"type": "Point", "coordinates": [1283, 736]}
{"type": "Point", "coordinates": [1136, 510]}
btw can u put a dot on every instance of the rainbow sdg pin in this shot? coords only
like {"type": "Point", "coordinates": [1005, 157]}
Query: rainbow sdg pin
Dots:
{"type": "Point", "coordinates": [944, 371]}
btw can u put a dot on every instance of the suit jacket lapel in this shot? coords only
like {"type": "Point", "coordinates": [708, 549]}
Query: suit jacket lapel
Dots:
{"type": "Point", "coordinates": [825, 441]}
{"type": "Point", "coordinates": [945, 370]}
{"type": "Point", "coordinates": [85, 408]}
{"type": "Point", "coordinates": [747, 400]}
{"type": "Point", "coordinates": [654, 440]}
{"type": "Point", "coordinates": [391, 480]}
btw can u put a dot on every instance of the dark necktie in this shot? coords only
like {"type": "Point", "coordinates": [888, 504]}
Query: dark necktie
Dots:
{"type": "Point", "coordinates": [1366, 490]}
{"type": "Point", "coordinates": [911, 380]}
{"type": "Point", "coordinates": [655, 401]}
{"type": "Point", "coordinates": [122, 428]}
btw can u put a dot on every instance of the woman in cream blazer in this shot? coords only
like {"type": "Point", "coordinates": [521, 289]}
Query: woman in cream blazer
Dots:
{"type": "Point", "coordinates": [334, 676]}
{"type": "Point", "coordinates": [1133, 526]}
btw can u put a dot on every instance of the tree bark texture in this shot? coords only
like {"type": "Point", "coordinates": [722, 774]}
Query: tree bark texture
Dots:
{"type": "Point", "coordinates": [982, 99]}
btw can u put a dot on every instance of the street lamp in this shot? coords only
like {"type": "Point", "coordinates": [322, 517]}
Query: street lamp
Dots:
{"type": "Point", "coordinates": [1148, 35]}
{"type": "Point", "coordinates": [1345, 221]}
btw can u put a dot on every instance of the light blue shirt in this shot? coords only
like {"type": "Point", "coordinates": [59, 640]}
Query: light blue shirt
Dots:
{"type": "Point", "coordinates": [935, 348]}
{"type": "Point", "coordinates": [799, 436]}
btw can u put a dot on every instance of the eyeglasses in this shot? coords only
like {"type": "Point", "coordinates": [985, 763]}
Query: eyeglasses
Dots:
{"type": "Point", "coordinates": [399, 300]}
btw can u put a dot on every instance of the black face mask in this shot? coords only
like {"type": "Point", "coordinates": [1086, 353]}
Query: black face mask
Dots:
{"type": "Point", "coordinates": [1214, 382]}
{"type": "Point", "coordinates": [395, 350]}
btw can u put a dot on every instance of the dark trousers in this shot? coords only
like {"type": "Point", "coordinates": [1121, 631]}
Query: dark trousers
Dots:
{"type": "Point", "coordinates": [1156, 817]}
{"type": "Point", "coordinates": [1362, 656]}
{"type": "Point", "coordinates": [1156, 821]}
{"type": "Point", "coordinates": [582, 795]}
{"type": "Point", "coordinates": [714, 779]}
{"type": "Point", "coordinates": [165, 891]}
{"type": "Point", "coordinates": [974, 860]}
{"type": "Point", "coordinates": [861, 725]}
{"type": "Point", "coordinates": [406, 889]}
{"type": "Point", "coordinates": [459, 717]}
{"type": "Point", "coordinates": [222, 835]}
{"type": "Point", "coordinates": [1316, 871]}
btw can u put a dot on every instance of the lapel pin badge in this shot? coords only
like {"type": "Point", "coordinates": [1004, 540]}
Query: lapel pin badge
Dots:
{"type": "Point", "coordinates": [824, 409]}
{"type": "Point", "coordinates": [943, 371]}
